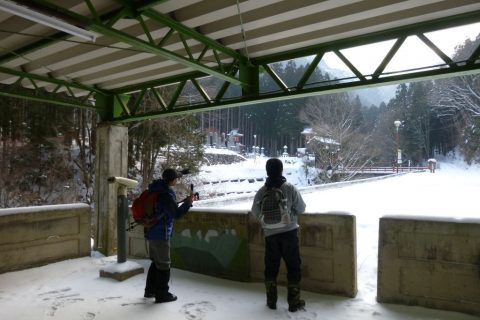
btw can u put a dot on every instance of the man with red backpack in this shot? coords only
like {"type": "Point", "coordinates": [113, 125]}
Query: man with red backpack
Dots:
{"type": "Point", "coordinates": [159, 235]}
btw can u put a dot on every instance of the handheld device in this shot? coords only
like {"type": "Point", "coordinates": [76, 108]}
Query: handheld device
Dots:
{"type": "Point", "coordinates": [196, 195]}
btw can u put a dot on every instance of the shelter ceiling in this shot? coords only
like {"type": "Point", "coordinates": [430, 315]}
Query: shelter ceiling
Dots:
{"type": "Point", "coordinates": [149, 43]}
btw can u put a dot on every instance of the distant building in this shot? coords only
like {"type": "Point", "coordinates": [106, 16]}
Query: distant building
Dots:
{"type": "Point", "coordinates": [234, 136]}
{"type": "Point", "coordinates": [324, 149]}
{"type": "Point", "coordinates": [312, 138]}
{"type": "Point", "coordinates": [308, 134]}
{"type": "Point", "coordinates": [228, 141]}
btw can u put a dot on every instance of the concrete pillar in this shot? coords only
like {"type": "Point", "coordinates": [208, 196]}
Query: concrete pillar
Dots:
{"type": "Point", "coordinates": [111, 160]}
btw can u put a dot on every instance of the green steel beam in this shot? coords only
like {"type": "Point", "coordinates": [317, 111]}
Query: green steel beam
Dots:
{"type": "Point", "coordinates": [249, 74]}
{"type": "Point", "coordinates": [40, 95]}
{"type": "Point", "coordinates": [159, 82]}
{"type": "Point", "coordinates": [147, 47]}
{"type": "Point", "coordinates": [311, 68]}
{"type": "Point", "coordinates": [176, 95]}
{"type": "Point", "coordinates": [276, 78]}
{"type": "Point", "coordinates": [423, 27]}
{"type": "Point", "coordinates": [325, 89]}
{"type": "Point", "coordinates": [47, 99]}
{"type": "Point", "coordinates": [112, 105]}
{"type": "Point", "coordinates": [336, 46]}
{"type": "Point", "coordinates": [60, 36]}
{"type": "Point", "coordinates": [347, 62]}
{"type": "Point", "coordinates": [230, 70]}
{"type": "Point", "coordinates": [183, 29]}
{"type": "Point", "coordinates": [142, 5]}
{"type": "Point", "coordinates": [32, 76]}
{"type": "Point", "coordinates": [33, 47]}
{"type": "Point", "coordinates": [135, 42]}
{"type": "Point", "coordinates": [474, 56]}
{"type": "Point", "coordinates": [391, 53]}
{"type": "Point", "coordinates": [202, 91]}
{"type": "Point", "coordinates": [437, 50]}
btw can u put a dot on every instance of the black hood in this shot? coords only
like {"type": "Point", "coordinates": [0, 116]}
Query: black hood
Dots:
{"type": "Point", "coordinates": [275, 182]}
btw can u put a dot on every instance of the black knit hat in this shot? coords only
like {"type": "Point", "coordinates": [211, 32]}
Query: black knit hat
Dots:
{"type": "Point", "coordinates": [274, 167]}
{"type": "Point", "coordinates": [169, 175]}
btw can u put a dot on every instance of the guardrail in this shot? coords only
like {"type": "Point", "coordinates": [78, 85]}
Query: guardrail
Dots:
{"type": "Point", "coordinates": [380, 169]}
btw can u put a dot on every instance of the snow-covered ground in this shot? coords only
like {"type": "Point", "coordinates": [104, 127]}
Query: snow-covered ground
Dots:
{"type": "Point", "coordinates": [73, 289]}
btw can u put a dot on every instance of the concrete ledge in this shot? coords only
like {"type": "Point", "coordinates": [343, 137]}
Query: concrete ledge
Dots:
{"type": "Point", "coordinates": [430, 262]}
{"type": "Point", "coordinates": [35, 236]}
{"type": "Point", "coordinates": [328, 253]}
{"type": "Point", "coordinates": [230, 244]}
{"type": "Point", "coordinates": [205, 241]}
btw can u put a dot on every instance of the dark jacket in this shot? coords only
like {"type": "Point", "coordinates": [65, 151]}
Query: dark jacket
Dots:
{"type": "Point", "coordinates": [166, 210]}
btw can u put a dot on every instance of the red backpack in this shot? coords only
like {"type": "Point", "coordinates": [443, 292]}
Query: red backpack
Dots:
{"type": "Point", "coordinates": [143, 208]}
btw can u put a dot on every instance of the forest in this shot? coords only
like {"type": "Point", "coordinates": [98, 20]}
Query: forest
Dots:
{"type": "Point", "coordinates": [47, 152]}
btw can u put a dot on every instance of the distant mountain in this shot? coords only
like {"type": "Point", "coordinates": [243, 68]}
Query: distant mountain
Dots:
{"type": "Point", "coordinates": [375, 96]}
{"type": "Point", "coordinates": [368, 96]}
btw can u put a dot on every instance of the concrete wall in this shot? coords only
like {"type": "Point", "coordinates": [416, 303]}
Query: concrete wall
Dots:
{"type": "Point", "coordinates": [35, 236]}
{"type": "Point", "coordinates": [213, 243]}
{"type": "Point", "coordinates": [430, 262]}
{"type": "Point", "coordinates": [230, 244]}
{"type": "Point", "coordinates": [327, 249]}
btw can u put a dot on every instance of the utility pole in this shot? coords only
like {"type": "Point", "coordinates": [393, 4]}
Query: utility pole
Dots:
{"type": "Point", "coordinates": [397, 124]}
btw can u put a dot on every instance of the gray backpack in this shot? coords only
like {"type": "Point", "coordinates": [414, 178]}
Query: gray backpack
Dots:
{"type": "Point", "coordinates": [274, 212]}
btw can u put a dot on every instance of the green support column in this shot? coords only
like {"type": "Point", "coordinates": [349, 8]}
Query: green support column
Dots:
{"type": "Point", "coordinates": [111, 160]}
{"type": "Point", "coordinates": [249, 78]}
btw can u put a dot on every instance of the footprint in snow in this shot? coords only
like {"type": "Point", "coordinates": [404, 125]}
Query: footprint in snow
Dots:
{"type": "Point", "coordinates": [301, 315]}
{"type": "Point", "coordinates": [197, 310]}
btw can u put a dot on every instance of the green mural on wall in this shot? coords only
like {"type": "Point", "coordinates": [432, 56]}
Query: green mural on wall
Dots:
{"type": "Point", "coordinates": [212, 244]}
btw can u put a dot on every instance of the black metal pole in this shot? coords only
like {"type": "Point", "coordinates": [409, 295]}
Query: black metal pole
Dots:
{"type": "Point", "coordinates": [122, 212]}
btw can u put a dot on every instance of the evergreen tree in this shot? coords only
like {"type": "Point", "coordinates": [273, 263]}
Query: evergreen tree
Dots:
{"type": "Point", "coordinates": [457, 105]}
{"type": "Point", "coordinates": [416, 120]}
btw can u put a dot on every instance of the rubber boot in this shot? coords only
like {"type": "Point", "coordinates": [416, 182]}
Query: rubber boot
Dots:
{"type": "Point", "coordinates": [150, 283]}
{"type": "Point", "coordinates": [293, 297]}
{"type": "Point", "coordinates": [271, 289]}
{"type": "Point", "coordinates": [162, 277]}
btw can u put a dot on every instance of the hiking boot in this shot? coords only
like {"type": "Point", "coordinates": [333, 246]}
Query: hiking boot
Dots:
{"type": "Point", "coordinates": [271, 288]}
{"type": "Point", "coordinates": [162, 277]}
{"type": "Point", "coordinates": [150, 283]}
{"type": "Point", "coordinates": [293, 297]}
{"type": "Point", "coordinates": [165, 297]}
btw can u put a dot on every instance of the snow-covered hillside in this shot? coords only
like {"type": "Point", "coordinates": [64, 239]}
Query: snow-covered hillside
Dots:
{"type": "Point", "coordinates": [243, 177]}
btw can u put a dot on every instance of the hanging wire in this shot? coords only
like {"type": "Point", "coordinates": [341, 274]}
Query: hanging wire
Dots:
{"type": "Point", "coordinates": [244, 38]}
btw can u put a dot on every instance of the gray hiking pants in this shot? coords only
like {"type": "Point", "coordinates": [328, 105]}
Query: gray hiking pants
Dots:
{"type": "Point", "coordinates": [160, 253]}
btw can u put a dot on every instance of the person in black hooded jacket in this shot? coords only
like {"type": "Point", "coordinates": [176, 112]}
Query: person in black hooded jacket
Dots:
{"type": "Point", "coordinates": [282, 243]}
{"type": "Point", "coordinates": [158, 235]}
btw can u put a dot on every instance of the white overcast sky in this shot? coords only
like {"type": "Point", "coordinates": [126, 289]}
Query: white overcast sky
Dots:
{"type": "Point", "coordinates": [413, 53]}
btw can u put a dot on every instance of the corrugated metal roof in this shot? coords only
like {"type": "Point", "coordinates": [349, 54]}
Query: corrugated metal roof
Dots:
{"type": "Point", "coordinates": [270, 27]}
